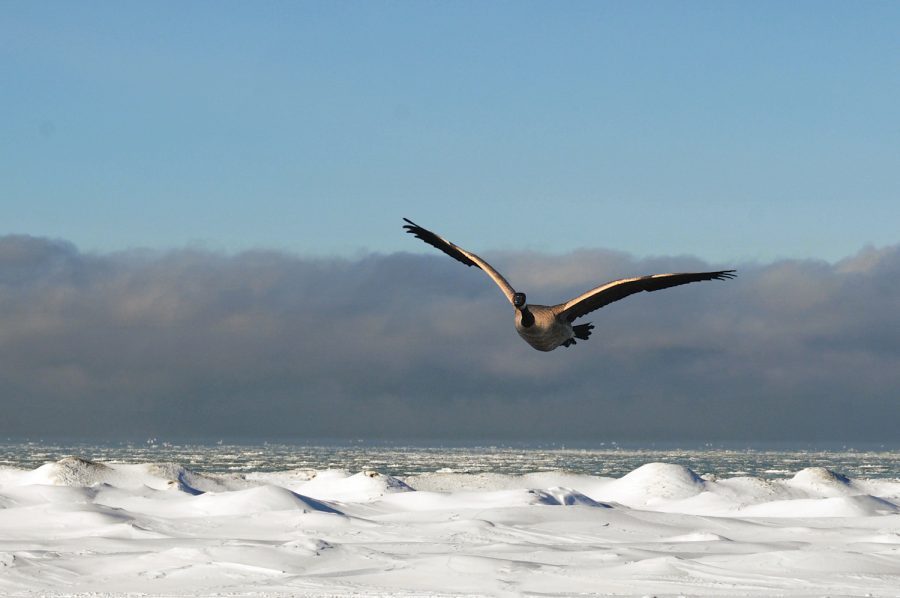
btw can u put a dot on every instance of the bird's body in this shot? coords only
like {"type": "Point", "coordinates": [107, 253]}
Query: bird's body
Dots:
{"type": "Point", "coordinates": [546, 331]}
{"type": "Point", "coordinates": [546, 327]}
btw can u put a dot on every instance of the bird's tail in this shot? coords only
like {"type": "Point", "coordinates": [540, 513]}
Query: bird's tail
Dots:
{"type": "Point", "coordinates": [582, 331]}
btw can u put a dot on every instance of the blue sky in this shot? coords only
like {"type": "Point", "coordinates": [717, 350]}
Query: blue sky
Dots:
{"type": "Point", "coordinates": [729, 131]}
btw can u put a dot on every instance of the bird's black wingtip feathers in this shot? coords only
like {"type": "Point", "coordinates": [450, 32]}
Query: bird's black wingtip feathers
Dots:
{"type": "Point", "coordinates": [725, 275]}
{"type": "Point", "coordinates": [437, 242]}
{"type": "Point", "coordinates": [412, 227]}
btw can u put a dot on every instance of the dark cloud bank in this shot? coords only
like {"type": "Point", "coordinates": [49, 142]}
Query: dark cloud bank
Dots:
{"type": "Point", "coordinates": [196, 344]}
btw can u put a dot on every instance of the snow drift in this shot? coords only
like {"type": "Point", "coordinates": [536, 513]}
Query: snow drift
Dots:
{"type": "Point", "coordinates": [79, 526]}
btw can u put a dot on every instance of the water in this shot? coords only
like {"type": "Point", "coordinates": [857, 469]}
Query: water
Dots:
{"type": "Point", "coordinates": [613, 461]}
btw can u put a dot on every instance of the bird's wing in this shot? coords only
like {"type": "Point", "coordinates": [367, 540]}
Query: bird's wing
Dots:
{"type": "Point", "coordinates": [459, 254]}
{"type": "Point", "coordinates": [619, 289]}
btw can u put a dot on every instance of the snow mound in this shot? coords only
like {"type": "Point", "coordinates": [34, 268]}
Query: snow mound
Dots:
{"type": "Point", "coordinates": [424, 500]}
{"type": "Point", "coordinates": [71, 471]}
{"type": "Point", "coordinates": [822, 482]}
{"type": "Point", "coordinates": [388, 483]}
{"type": "Point", "coordinates": [744, 489]}
{"type": "Point", "coordinates": [441, 481]}
{"type": "Point", "coordinates": [340, 486]}
{"type": "Point", "coordinates": [189, 481]}
{"type": "Point", "coordinates": [260, 499]}
{"type": "Point", "coordinates": [568, 497]}
{"type": "Point", "coordinates": [288, 478]}
{"type": "Point", "coordinates": [79, 472]}
{"type": "Point", "coordinates": [654, 483]}
{"type": "Point", "coordinates": [862, 505]}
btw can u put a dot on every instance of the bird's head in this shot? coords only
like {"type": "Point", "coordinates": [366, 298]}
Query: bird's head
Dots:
{"type": "Point", "coordinates": [519, 300]}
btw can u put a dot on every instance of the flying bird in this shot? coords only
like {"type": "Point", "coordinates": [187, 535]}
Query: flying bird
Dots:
{"type": "Point", "coordinates": [546, 327]}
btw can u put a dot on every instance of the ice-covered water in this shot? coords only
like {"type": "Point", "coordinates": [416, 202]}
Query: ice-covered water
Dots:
{"type": "Point", "coordinates": [396, 460]}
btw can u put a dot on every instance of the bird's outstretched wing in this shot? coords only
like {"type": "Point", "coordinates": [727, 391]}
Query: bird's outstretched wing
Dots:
{"type": "Point", "coordinates": [459, 254]}
{"type": "Point", "coordinates": [619, 289]}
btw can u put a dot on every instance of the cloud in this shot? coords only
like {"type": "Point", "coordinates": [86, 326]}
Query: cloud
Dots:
{"type": "Point", "coordinates": [191, 343]}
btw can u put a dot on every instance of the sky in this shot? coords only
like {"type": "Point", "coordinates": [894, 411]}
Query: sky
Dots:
{"type": "Point", "coordinates": [728, 131]}
{"type": "Point", "coordinates": [200, 211]}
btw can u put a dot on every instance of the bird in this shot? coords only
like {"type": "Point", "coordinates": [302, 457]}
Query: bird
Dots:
{"type": "Point", "coordinates": [546, 327]}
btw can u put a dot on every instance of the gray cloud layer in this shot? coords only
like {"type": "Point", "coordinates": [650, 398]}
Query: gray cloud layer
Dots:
{"type": "Point", "coordinates": [192, 343]}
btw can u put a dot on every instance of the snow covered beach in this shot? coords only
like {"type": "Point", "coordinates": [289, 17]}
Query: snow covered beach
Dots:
{"type": "Point", "coordinates": [74, 526]}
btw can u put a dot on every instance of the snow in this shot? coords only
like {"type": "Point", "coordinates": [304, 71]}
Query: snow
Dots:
{"type": "Point", "coordinates": [79, 527]}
